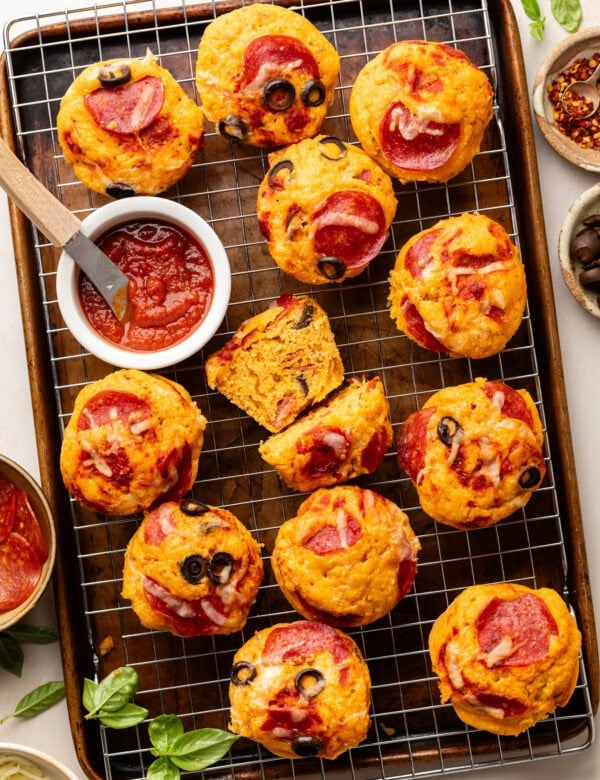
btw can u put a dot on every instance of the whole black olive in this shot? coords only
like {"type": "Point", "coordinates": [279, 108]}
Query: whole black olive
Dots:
{"type": "Point", "coordinates": [313, 93]}
{"type": "Point", "coordinates": [220, 567]}
{"type": "Point", "coordinates": [331, 267]}
{"type": "Point", "coordinates": [193, 569]}
{"type": "Point", "coordinates": [276, 170]}
{"type": "Point", "coordinates": [309, 683]}
{"type": "Point", "coordinates": [447, 429]}
{"type": "Point", "coordinates": [585, 246]}
{"type": "Point", "coordinates": [530, 478]}
{"type": "Point", "coordinates": [233, 128]}
{"type": "Point", "coordinates": [114, 75]}
{"type": "Point", "coordinates": [279, 94]}
{"type": "Point", "coordinates": [306, 316]}
{"type": "Point", "coordinates": [120, 191]}
{"type": "Point", "coordinates": [591, 278]}
{"type": "Point", "coordinates": [193, 508]}
{"type": "Point", "coordinates": [243, 673]}
{"type": "Point", "coordinates": [338, 152]}
{"type": "Point", "coordinates": [306, 746]}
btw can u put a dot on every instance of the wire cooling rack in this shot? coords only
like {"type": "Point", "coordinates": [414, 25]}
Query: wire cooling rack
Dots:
{"type": "Point", "coordinates": [411, 734]}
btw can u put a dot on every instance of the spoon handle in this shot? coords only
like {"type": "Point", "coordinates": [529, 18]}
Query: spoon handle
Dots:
{"type": "Point", "coordinates": [54, 220]}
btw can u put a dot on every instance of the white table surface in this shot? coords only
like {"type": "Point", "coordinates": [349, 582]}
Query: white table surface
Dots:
{"type": "Point", "coordinates": [561, 184]}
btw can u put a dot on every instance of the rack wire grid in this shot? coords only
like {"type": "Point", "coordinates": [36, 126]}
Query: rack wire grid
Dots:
{"type": "Point", "coordinates": [411, 735]}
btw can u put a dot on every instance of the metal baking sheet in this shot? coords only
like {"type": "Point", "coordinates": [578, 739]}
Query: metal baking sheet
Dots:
{"type": "Point", "coordinates": [411, 735]}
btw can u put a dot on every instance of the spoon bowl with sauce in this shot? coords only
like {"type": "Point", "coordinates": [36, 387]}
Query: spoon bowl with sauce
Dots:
{"type": "Point", "coordinates": [179, 284]}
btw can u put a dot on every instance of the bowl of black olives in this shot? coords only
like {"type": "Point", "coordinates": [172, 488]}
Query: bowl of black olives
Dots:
{"type": "Point", "coordinates": [579, 250]}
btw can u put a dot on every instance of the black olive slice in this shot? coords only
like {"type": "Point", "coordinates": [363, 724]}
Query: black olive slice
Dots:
{"type": "Point", "coordinates": [120, 191]}
{"type": "Point", "coordinates": [114, 75]}
{"type": "Point", "coordinates": [306, 317]}
{"type": "Point", "coordinates": [303, 384]}
{"type": "Point", "coordinates": [585, 246]}
{"type": "Point", "coordinates": [309, 683]}
{"type": "Point", "coordinates": [279, 94]}
{"type": "Point", "coordinates": [313, 93]}
{"type": "Point", "coordinates": [276, 169]}
{"type": "Point", "coordinates": [591, 278]}
{"type": "Point", "coordinates": [338, 152]}
{"type": "Point", "coordinates": [193, 569]}
{"type": "Point", "coordinates": [331, 267]}
{"type": "Point", "coordinates": [306, 746]}
{"type": "Point", "coordinates": [233, 128]}
{"type": "Point", "coordinates": [530, 478]}
{"type": "Point", "coordinates": [447, 429]}
{"type": "Point", "coordinates": [189, 506]}
{"type": "Point", "coordinates": [220, 568]}
{"type": "Point", "coordinates": [243, 673]}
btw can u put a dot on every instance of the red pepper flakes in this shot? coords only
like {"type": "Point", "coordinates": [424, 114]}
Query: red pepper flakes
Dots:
{"type": "Point", "coordinates": [585, 132]}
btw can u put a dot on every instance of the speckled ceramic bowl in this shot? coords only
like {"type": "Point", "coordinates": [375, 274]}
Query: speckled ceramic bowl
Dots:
{"type": "Point", "coordinates": [52, 769]}
{"type": "Point", "coordinates": [41, 509]}
{"type": "Point", "coordinates": [581, 44]}
{"type": "Point", "coordinates": [587, 203]}
{"type": "Point", "coordinates": [120, 212]}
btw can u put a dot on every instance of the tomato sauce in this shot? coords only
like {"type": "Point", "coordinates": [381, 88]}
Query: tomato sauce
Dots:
{"type": "Point", "coordinates": [170, 286]}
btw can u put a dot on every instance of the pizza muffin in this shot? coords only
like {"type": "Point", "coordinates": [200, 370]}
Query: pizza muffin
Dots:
{"type": "Point", "coordinates": [300, 689]}
{"type": "Point", "coordinates": [474, 453]}
{"type": "Point", "coordinates": [192, 569]}
{"type": "Point", "coordinates": [133, 441]}
{"type": "Point", "coordinates": [325, 208]}
{"type": "Point", "coordinates": [347, 557]}
{"type": "Point", "coordinates": [128, 128]}
{"type": "Point", "coordinates": [506, 656]}
{"type": "Point", "coordinates": [459, 287]}
{"type": "Point", "coordinates": [265, 75]}
{"type": "Point", "coordinates": [421, 109]}
{"type": "Point", "coordinates": [279, 362]}
{"type": "Point", "coordinates": [345, 436]}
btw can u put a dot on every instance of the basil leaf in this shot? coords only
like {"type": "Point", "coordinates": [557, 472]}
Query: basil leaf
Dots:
{"type": "Point", "coordinates": [532, 9]}
{"type": "Point", "coordinates": [89, 694]}
{"type": "Point", "coordinates": [200, 748]}
{"type": "Point", "coordinates": [34, 635]}
{"type": "Point", "coordinates": [162, 769]}
{"type": "Point", "coordinates": [38, 700]}
{"type": "Point", "coordinates": [115, 690]}
{"type": "Point", "coordinates": [128, 715]}
{"type": "Point", "coordinates": [567, 13]}
{"type": "Point", "coordinates": [164, 731]}
{"type": "Point", "coordinates": [11, 655]}
{"type": "Point", "coordinates": [536, 29]}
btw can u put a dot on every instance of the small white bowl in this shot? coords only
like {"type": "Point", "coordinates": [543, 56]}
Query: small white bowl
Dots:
{"type": "Point", "coordinates": [581, 44]}
{"type": "Point", "coordinates": [120, 212]}
{"type": "Point", "coordinates": [52, 768]}
{"type": "Point", "coordinates": [587, 203]}
{"type": "Point", "coordinates": [41, 509]}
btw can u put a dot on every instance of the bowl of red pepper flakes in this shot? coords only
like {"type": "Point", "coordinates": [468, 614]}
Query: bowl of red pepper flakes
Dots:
{"type": "Point", "coordinates": [573, 135]}
{"type": "Point", "coordinates": [27, 542]}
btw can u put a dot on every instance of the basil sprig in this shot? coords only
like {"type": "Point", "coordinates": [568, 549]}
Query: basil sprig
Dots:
{"type": "Point", "coordinates": [110, 700]}
{"type": "Point", "coordinates": [568, 14]}
{"type": "Point", "coordinates": [38, 700]}
{"type": "Point", "coordinates": [174, 749]}
{"type": "Point", "coordinates": [11, 652]}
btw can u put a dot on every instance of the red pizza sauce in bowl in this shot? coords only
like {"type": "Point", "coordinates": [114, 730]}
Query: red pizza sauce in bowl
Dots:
{"type": "Point", "coordinates": [179, 284]}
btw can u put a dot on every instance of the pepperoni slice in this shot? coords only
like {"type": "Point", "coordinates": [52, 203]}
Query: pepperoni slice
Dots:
{"type": "Point", "coordinates": [28, 527]}
{"type": "Point", "coordinates": [198, 624]}
{"type": "Point", "coordinates": [415, 326]}
{"type": "Point", "coordinates": [128, 109]}
{"type": "Point", "coordinates": [158, 524]}
{"type": "Point", "coordinates": [514, 404]}
{"type": "Point", "coordinates": [299, 642]}
{"type": "Point", "coordinates": [406, 575]}
{"type": "Point", "coordinates": [179, 460]}
{"type": "Point", "coordinates": [418, 255]}
{"type": "Point", "coordinates": [414, 144]}
{"type": "Point", "coordinates": [375, 450]}
{"type": "Point", "coordinates": [349, 225]}
{"type": "Point", "coordinates": [510, 707]}
{"type": "Point", "coordinates": [527, 623]}
{"type": "Point", "coordinates": [272, 56]}
{"type": "Point", "coordinates": [8, 507]}
{"type": "Point", "coordinates": [411, 441]}
{"type": "Point", "coordinates": [109, 406]}
{"type": "Point", "coordinates": [332, 538]}
{"type": "Point", "coordinates": [20, 571]}
{"type": "Point", "coordinates": [327, 448]}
